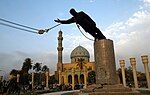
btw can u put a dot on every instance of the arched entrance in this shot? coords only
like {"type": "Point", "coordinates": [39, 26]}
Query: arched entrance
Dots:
{"type": "Point", "coordinates": [76, 79]}
{"type": "Point", "coordinates": [70, 79]}
{"type": "Point", "coordinates": [82, 79]}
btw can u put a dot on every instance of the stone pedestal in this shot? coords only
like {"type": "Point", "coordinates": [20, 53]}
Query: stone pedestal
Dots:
{"type": "Point", "coordinates": [106, 72]}
{"type": "Point", "coordinates": [109, 90]}
{"type": "Point", "coordinates": [105, 62]}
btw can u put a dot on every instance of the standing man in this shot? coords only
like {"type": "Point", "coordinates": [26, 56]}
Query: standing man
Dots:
{"type": "Point", "coordinates": [85, 22]}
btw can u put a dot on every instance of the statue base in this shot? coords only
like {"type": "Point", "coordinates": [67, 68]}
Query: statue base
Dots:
{"type": "Point", "coordinates": [105, 66]}
{"type": "Point", "coordinates": [105, 70]}
{"type": "Point", "coordinates": [108, 90]}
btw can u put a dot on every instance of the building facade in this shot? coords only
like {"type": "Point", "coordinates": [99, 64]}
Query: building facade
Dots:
{"type": "Point", "coordinates": [76, 71]}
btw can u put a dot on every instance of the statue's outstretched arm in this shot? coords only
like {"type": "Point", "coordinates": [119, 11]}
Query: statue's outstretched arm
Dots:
{"type": "Point", "coordinates": [71, 20]}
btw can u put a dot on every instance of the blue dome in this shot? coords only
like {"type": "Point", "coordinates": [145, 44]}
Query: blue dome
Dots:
{"type": "Point", "coordinates": [80, 52]}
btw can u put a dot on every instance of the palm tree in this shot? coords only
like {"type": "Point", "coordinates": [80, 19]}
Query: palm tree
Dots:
{"type": "Point", "coordinates": [14, 72]}
{"type": "Point", "coordinates": [128, 74]}
{"type": "Point", "coordinates": [27, 65]}
{"type": "Point", "coordinates": [37, 67]}
{"type": "Point", "coordinates": [81, 63]}
{"type": "Point", "coordinates": [45, 68]}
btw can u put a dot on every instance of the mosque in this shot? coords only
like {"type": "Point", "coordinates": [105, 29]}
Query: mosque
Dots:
{"type": "Point", "coordinates": [71, 73]}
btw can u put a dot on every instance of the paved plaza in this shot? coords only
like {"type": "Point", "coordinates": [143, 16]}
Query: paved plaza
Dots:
{"type": "Point", "coordinates": [61, 92]}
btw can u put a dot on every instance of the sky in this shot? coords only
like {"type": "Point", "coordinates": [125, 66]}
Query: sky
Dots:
{"type": "Point", "coordinates": [126, 22]}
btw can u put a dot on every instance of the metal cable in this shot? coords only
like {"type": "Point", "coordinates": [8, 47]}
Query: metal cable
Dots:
{"type": "Point", "coordinates": [53, 27]}
{"type": "Point", "coordinates": [18, 24]}
{"type": "Point", "coordinates": [18, 28]}
{"type": "Point", "coordinates": [83, 34]}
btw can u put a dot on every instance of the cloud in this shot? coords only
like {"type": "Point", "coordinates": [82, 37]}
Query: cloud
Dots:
{"type": "Point", "coordinates": [46, 58]}
{"type": "Point", "coordinates": [91, 1]}
{"type": "Point", "coordinates": [15, 60]}
{"type": "Point", "coordinates": [9, 61]}
{"type": "Point", "coordinates": [131, 37]}
{"type": "Point", "coordinates": [146, 2]}
{"type": "Point", "coordinates": [72, 41]}
{"type": "Point", "coordinates": [138, 18]}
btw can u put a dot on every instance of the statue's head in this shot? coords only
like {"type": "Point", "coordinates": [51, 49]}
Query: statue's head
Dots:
{"type": "Point", "coordinates": [73, 12]}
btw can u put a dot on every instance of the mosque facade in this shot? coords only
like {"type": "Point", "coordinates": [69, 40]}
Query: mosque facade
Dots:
{"type": "Point", "coordinates": [76, 71]}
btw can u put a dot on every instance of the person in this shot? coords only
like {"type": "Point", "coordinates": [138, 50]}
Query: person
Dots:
{"type": "Point", "coordinates": [82, 19]}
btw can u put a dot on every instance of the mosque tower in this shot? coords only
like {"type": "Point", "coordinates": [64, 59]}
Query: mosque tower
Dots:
{"type": "Point", "coordinates": [60, 49]}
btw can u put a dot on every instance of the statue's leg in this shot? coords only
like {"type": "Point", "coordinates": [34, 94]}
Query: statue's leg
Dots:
{"type": "Point", "coordinates": [99, 34]}
{"type": "Point", "coordinates": [93, 34]}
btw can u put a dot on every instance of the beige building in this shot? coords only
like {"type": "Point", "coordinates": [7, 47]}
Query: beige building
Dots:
{"type": "Point", "coordinates": [70, 73]}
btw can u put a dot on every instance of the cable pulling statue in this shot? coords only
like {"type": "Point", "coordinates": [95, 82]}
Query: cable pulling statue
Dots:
{"type": "Point", "coordinates": [82, 19]}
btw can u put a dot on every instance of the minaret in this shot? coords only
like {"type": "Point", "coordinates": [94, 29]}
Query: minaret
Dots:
{"type": "Point", "coordinates": [60, 49]}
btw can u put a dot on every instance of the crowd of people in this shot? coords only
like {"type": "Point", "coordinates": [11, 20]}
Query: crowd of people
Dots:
{"type": "Point", "coordinates": [9, 87]}
{"type": "Point", "coordinates": [63, 87]}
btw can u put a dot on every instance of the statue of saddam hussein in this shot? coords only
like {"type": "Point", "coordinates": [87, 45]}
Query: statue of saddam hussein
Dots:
{"type": "Point", "coordinates": [82, 19]}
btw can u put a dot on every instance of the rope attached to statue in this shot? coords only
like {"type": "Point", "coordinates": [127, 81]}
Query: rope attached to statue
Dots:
{"type": "Point", "coordinates": [33, 30]}
{"type": "Point", "coordinates": [83, 33]}
{"type": "Point", "coordinates": [24, 27]}
{"type": "Point", "coordinates": [46, 30]}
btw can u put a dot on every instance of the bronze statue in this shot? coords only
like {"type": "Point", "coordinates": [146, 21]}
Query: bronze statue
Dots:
{"type": "Point", "coordinates": [85, 22]}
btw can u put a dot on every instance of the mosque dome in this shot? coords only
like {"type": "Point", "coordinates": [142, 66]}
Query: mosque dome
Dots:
{"type": "Point", "coordinates": [79, 52]}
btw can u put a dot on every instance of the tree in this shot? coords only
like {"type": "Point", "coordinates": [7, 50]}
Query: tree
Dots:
{"type": "Point", "coordinates": [142, 77]}
{"type": "Point", "coordinates": [128, 75]}
{"type": "Point", "coordinates": [120, 75]}
{"type": "Point", "coordinates": [27, 65]}
{"type": "Point", "coordinates": [52, 79]}
{"type": "Point", "coordinates": [81, 63]}
{"type": "Point", "coordinates": [37, 67]}
{"type": "Point", "coordinates": [24, 76]}
{"type": "Point", "coordinates": [14, 72]}
{"type": "Point", "coordinates": [45, 68]}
